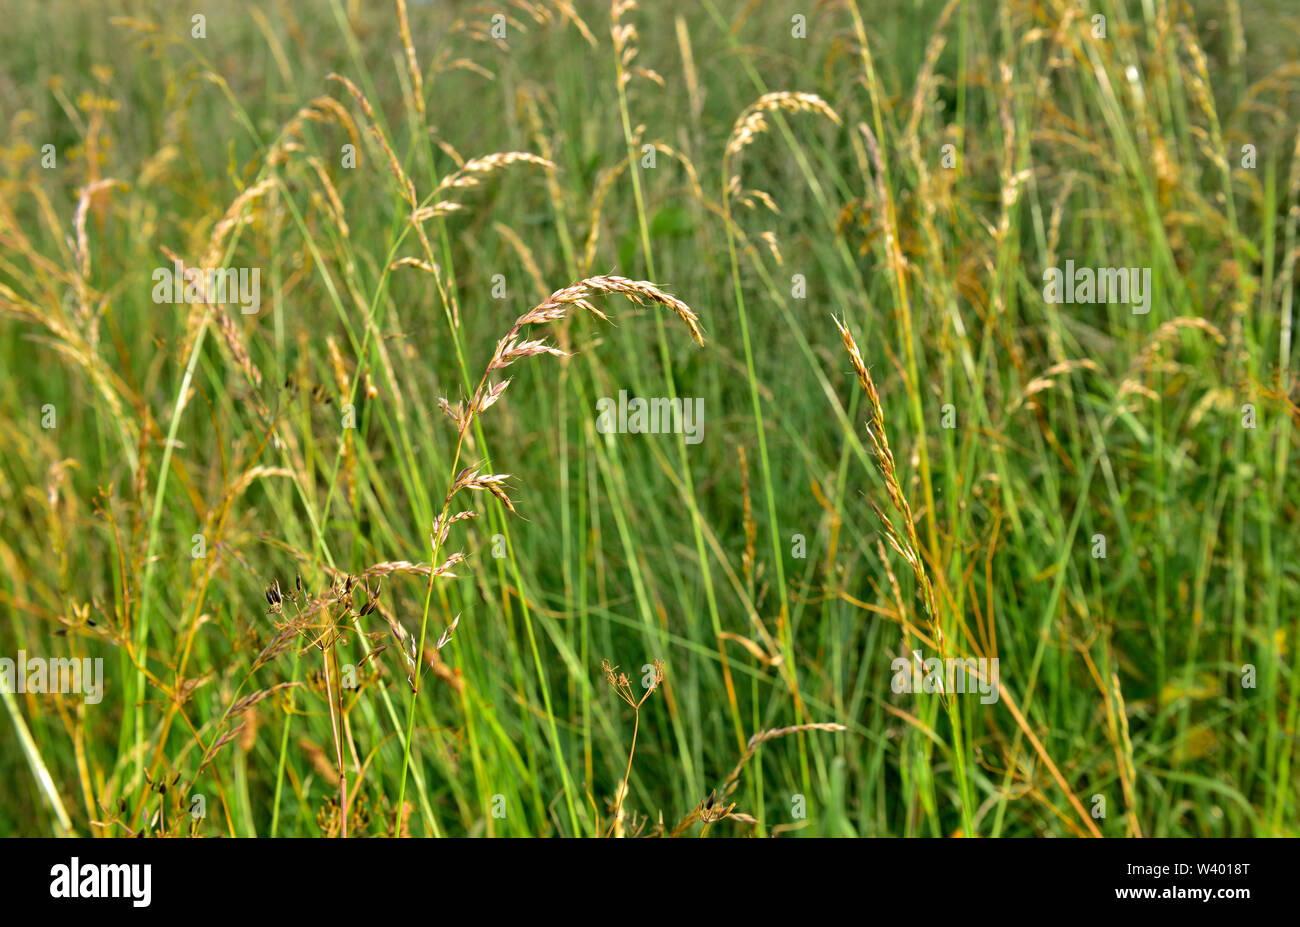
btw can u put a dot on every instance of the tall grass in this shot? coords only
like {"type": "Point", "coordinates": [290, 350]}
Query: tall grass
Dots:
{"type": "Point", "coordinates": [323, 607]}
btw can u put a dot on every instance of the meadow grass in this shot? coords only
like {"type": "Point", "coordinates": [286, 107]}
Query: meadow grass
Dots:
{"type": "Point", "coordinates": [345, 582]}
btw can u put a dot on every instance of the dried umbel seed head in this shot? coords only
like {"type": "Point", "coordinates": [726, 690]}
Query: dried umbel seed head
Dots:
{"type": "Point", "coordinates": [617, 681]}
{"type": "Point", "coordinates": [657, 676]}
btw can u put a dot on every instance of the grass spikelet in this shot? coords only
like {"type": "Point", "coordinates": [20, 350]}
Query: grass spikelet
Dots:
{"type": "Point", "coordinates": [403, 181]}
{"type": "Point", "coordinates": [1067, 233]}
{"type": "Point", "coordinates": [412, 64]}
{"type": "Point", "coordinates": [909, 545]}
{"type": "Point", "coordinates": [473, 171]}
{"type": "Point", "coordinates": [509, 349]}
{"type": "Point", "coordinates": [752, 122]}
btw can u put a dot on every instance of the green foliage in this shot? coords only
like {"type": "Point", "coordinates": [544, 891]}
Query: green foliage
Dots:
{"type": "Point", "coordinates": [1123, 675]}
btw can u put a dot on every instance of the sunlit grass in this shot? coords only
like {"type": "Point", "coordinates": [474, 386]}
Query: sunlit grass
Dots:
{"type": "Point", "coordinates": [409, 184]}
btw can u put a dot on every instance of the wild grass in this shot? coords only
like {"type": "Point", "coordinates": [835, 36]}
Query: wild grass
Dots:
{"type": "Point", "coordinates": [335, 598]}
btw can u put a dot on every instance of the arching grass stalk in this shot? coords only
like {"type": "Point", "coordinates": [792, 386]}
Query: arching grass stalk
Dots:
{"type": "Point", "coordinates": [510, 348]}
